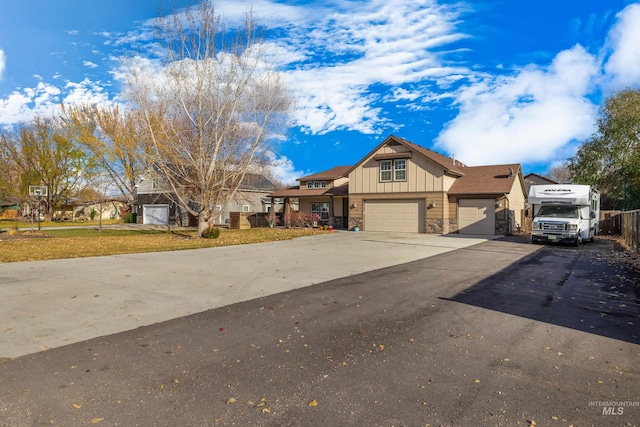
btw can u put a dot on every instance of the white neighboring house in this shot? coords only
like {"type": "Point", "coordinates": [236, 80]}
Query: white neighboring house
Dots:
{"type": "Point", "coordinates": [156, 206]}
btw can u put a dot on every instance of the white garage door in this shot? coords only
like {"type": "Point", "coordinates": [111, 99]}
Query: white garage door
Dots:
{"type": "Point", "coordinates": [155, 214]}
{"type": "Point", "coordinates": [477, 216]}
{"type": "Point", "coordinates": [394, 215]}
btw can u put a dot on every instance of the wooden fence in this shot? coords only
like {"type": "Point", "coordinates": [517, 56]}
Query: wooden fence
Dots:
{"type": "Point", "coordinates": [631, 229]}
{"type": "Point", "coordinates": [610, 223]}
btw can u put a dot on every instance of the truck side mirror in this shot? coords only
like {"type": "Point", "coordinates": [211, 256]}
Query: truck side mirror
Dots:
{"type": "Point", "coordinates": [527, 213]}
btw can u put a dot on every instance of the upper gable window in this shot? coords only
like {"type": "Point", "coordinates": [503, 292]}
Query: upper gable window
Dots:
{"type": "Point", "coordinates": [393, 170]}
{"type": "Point", "coordinates": [385, 170]}
{"type": "Point", "coordinates": [400, 170]}
{"type": "Point", "coordinates": [155, 183]}
{"type": "Point", "coordinates": [316, 184]}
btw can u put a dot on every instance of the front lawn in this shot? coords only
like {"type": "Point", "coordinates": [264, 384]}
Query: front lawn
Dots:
{"type": "Point", "coordinates": [86, 242]}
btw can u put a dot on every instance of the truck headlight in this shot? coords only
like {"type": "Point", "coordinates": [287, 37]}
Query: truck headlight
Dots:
{"type": "Point", "coordinates": [573, 227]}
{"type": "Point", "coordinates": [536, 226]}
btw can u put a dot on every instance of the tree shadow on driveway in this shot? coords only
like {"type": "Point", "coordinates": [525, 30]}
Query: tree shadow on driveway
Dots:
{"type": "Point", "coordinates": [585, 289]}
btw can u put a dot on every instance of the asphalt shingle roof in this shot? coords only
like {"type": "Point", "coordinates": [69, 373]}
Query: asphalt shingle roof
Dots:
{"type": "Point", "coordinates": [333, 173]}
{"type": "Point", "coordinates": [493, 179]}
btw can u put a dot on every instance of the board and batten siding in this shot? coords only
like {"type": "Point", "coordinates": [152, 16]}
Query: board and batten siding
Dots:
{"type": "Point", "coordinates": [423, 175]}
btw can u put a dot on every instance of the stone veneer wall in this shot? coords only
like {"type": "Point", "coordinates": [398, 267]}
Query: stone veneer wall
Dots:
{"type": "Point", "coordinates": [434, 226]}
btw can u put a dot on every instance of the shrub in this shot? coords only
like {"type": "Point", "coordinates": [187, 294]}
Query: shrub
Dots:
{"type": "Point", "coordinates": [211, 233]}
{"type": "Point", "coordinates": [13, 230]}
{"type": "Point", "coordinates": [93, 214]}
{"type": "Point", "coordinates": [129, 218]}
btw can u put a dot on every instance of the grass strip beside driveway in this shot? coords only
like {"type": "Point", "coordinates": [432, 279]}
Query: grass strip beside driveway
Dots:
{"type": "Point", "coordinates": [76, 243]}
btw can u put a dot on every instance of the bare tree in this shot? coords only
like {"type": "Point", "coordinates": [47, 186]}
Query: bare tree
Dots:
{"type": "Point", "coordinates": [559, 174]}
{"type": "Point", "coordinates": [213, 108]}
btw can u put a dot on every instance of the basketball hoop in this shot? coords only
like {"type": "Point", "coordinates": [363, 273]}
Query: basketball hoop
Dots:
{"type": "Point", "coordinates": [38, 190]}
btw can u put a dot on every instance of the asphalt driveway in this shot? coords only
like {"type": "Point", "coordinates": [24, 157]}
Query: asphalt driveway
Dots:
{"type": "Point", "coordinates": [475, 336]}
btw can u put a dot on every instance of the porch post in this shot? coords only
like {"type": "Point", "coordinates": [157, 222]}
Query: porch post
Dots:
{"type": "Point", "coordinates": [272, 212]}
{"type": "Point", "coordinates": [331, 219]}
{"type": "Point", "coordinates": [287, 213]}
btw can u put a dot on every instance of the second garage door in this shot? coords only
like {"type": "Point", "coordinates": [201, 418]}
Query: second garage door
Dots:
{"type": "Point", "coordinates": [155, 214]}
{"type": "Point", "coordinates": [477, 216]}
{"type": "Point", "coordinates": [394, 215]}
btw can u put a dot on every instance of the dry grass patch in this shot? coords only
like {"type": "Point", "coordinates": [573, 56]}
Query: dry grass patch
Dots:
{"type": "Point", "coordinates": [59, 244]}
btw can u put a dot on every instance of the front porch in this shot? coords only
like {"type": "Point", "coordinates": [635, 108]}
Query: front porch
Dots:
{"type": "Point", "coordinates": [316, 207]}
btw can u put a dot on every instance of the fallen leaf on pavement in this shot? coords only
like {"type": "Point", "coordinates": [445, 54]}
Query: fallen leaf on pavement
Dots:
{"type": "Point", "coordinates": [313, 403]}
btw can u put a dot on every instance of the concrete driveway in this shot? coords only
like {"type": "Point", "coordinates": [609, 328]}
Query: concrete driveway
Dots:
{"type": "Point", "coordinates": [48, 304]}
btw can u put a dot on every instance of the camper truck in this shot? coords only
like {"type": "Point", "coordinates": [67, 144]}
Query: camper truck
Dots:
{"type": "Point", "coordinates": [564, 213]}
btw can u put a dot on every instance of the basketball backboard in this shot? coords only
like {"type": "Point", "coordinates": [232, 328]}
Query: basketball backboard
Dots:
{"type": "Point", "coordinates": [38, 190]}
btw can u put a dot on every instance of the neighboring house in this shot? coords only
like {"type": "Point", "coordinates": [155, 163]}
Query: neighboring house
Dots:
{"type": "Point", "coordinates": [324, 194]}
{"type": "Point", "coordinates": [535, 179]}
{"type": "Point", "coordinates": [401, 186]}
{"type": "Point", "coordinates": [156, 205]}
{"type": "Point", "coordinates": [75, 209]}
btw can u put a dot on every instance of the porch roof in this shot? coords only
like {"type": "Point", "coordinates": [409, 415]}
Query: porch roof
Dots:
{"type": "Point", "coordinates": [296, 191]}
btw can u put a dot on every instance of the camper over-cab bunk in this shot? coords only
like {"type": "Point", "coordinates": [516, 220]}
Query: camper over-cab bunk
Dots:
{"type": "Point", "coordinates": [564, 213]}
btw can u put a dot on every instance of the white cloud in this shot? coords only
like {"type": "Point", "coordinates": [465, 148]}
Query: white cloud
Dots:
{"type": "Point", "coordinates": [24, 106]}
{"type": "Point", "coordinates": [282, 168]}
{"type": "Point", "coordinates": [623, 65]}
{"type": "Point", "coordinates": [3, 63]}
{"type": "Point", "coordinates": [86, 91]}
{"type": "Point", "coordinates": [89, 64]}
{"type": "Point", "coordinates": [344, 51]}
{"type": "Point", "coordinates": [527, 117]}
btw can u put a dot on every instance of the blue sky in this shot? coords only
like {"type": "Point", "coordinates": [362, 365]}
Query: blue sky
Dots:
{"type": "Point", "coordinates": [488, 82]}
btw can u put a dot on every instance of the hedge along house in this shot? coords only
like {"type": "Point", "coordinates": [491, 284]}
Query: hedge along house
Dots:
{"type": "Point", "coordinates": [324, 194]}
{"type": "Point", "coordinates": [156, 204]}
{"type": "Point", "coordinates": [401, 186]}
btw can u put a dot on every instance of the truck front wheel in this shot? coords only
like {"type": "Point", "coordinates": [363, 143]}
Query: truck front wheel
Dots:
{"type": "Point", "coordinates": [578, 241]}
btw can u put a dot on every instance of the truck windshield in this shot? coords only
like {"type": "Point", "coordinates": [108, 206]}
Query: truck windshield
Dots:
{"type": "Point", "coordinates": [559, 212]}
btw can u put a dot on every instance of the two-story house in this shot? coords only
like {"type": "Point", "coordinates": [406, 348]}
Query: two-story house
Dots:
{"type": "Point", "coordinates": [401, 186]}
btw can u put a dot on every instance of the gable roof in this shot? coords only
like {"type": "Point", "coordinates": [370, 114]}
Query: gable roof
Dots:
{"type": "Point", "coordinates": [494, 179]}
{"type": "Point", "coordinates": [534, 178]}
{"type": "Point", "coordinates": [256, 182]}
{"type": "Point", "coordinates": [333, 173]}
{"type": "Point", "coordinates": [451, 166]}
{"type": "Point", "coordinates": [250, 181]}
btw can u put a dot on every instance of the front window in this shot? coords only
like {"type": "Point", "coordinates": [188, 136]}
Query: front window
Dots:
{"type": "Point", "coordinates": [309, 185]}
{"type": "Point", "coordinates": [400, 170]}
{"type": "Point", "coordinates": [385, 170]}
{"type": "Point", "coordinates": [320, 209]}
{"type": "Point", "coordinates": [246, 208]}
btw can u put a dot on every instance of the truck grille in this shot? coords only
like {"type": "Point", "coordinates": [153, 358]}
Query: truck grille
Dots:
{"type": "Point", "coordinates": [554, 226]}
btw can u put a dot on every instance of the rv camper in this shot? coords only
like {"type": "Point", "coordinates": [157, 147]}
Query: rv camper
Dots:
{"type": "Point", "coordinates": [564, 213]}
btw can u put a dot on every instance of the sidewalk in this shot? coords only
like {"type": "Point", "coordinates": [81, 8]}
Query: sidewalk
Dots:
{"type": "Point", "coordinates": [48, 304]}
